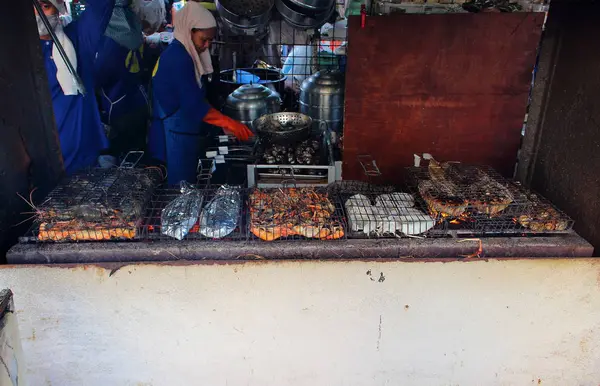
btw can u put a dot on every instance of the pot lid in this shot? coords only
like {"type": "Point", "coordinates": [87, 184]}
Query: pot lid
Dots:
{"type": "Point", "coordinates": [252, 92]}
{"type": "Point", "coordinates": [332, 80]}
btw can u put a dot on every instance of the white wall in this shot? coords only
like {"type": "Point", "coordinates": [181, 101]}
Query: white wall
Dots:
{"type": "Point", "coordinates": [12, 365]}
{"type": "Point", "coordinates": [524, 322]}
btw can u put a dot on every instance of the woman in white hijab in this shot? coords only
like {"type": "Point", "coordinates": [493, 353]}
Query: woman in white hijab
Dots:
{"type": "Point", "coordinates": [178, 96]}
{"type": "Point", "coordinates": [78, 123]}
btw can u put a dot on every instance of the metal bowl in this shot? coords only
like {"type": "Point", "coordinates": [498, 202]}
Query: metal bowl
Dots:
{"type": "Point", "coordinates": [283, 128]}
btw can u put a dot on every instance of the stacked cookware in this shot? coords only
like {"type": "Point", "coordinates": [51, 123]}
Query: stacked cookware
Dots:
{"type": "Point", "coordinates": [305, 14]}
{"type": "Point", "coordinates": [245, 17]}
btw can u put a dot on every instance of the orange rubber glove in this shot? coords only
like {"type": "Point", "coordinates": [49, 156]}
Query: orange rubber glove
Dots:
{"type": "Point", "coordinates": [229, 125]}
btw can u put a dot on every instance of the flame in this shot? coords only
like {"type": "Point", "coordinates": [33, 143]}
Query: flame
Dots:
{"type": "Point", "coordinates": [441, 217]}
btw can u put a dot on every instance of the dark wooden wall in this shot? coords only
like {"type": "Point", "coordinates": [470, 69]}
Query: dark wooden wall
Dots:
{"type": "Point", "coordinates": [453, 85]}
{"type": "Point", "coordinates": [29, 149]}
{"type": "Point", "coordinates": [561, 153]}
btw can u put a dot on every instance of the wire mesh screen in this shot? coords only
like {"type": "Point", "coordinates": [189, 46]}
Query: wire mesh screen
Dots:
{"type": "Point", "coordinates": [476, 200]}
{"type": "Point", "coordinates": [278, 56]}
{"type": "Point", "coordinates": [99, 204]}
{"type": "Point", "coordinates": [295, 214]}
{"type": "Point", "coordinates": [211, 214]}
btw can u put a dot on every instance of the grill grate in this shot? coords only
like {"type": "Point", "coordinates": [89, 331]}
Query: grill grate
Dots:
{"type": "Point", "coordinates": [151, 227]}
{"type": "Point", "coordinates": [295, 214]}
{"type": "Point", "coordinates": [380, 212]}
{"type": "Point", "coordinates": [476, 200]}
{"type": "Point", "coordinates": [99, 204]}
{"type": "Point", "coordinates": [308, 163]}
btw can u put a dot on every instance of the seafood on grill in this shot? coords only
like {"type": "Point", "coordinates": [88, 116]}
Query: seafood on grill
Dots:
{"type": "Point", "coordinates": [180, 215]}
{"type": "Point", "coordinates": [453, 188]}
{"type": "Point", "coordinates": [219, 218]}
{"type": "Point", "coordinates": [543, 217]}
{"type": "Point", "coordinates": [392, 214]}
{"type": "Point", "coordinates": [484, 194]}
{"type": "Point", "coordinates": [284, 212]}
{"type": "Point", "coordinates": [76, 231]}
{"type": "Point", "coordinates": [443, 197]}
{"type": "Point", "coordinates": [305, 153]}
{"type": "Point", "coordinates": [95, 205]}
{"type": "Point", "coordinates": [393, 200]}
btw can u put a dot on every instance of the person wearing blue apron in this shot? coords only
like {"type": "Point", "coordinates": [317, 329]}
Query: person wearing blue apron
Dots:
{"type": "Point", "coordinates": [80, 130]}
{"type": "Point", "coordinates": [123, 102]}
{"type": "Point", "coordinates": [178, 97]}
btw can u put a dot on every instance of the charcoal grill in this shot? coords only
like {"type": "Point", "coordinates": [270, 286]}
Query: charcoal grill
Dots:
{"type": "Point", "coordinates": [544, 217]}
{"type": "Point", "coordinates": [263, 175]}
{"type": "Point", "coordinates": [95, 205]}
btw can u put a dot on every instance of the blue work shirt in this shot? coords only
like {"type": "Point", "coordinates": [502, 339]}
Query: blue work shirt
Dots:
{"type": "Point", "coordinates": [175, 90]}
{"type": "Point", "coordinates": [118, 78]}
{"type": "Point", "coordinates": [80, 131]}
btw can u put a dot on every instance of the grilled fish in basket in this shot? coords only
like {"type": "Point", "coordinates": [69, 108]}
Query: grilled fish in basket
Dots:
{"type": "Point", "coordinates": [442, 196]}
{"type": "Point", "coordinates": [485, 194]}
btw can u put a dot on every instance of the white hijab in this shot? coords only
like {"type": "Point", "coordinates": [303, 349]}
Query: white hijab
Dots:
{"type": "Point", "coordinates": [65, 79]}
{"type": "Point", "coordinates": [194, 15]}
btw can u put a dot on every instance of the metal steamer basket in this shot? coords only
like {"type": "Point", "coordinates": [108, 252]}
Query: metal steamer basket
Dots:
{"type": "Point", "coordinates": [283, 128]}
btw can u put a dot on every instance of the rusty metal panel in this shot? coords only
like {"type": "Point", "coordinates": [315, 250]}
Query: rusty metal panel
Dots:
{"type": "Point", "coordinates": [453, 85]}
{"type": "Point", "coordinates": [566, 168]}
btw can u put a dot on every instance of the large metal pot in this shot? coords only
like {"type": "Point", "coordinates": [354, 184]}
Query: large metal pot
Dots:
{"type": "Point", "coordinates": [301, 17]}
{"type": "Point", "coordinates": [322, 99]}
{"type": "Point", "coordinates": [251, 101]}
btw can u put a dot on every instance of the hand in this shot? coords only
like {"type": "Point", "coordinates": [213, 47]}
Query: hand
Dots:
{"type": "Point", "coordinates": [239, 130]}
{"type": "Point", "coordinates": [230, 126]}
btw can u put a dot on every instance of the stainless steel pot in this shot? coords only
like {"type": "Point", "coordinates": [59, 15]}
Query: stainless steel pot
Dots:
{"type": "Point", "coordinates": [251, 101]}
{"type": "Point", "coordinates": [303, 18]}
{"type": "Point", "coordinates": [245, 14]}
{"type": "Point", "coordinates": [322, 99]}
